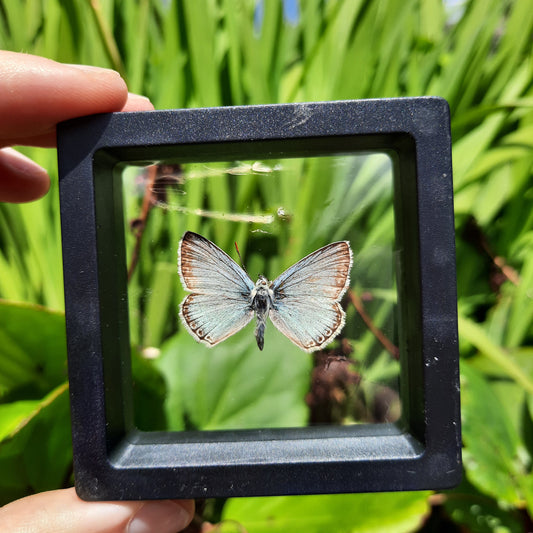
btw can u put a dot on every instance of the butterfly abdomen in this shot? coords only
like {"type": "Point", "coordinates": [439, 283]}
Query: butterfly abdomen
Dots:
{"type": "Point", "coordinates": [261, 303]}
{"type": "Point", "coordinates": [260, 331]}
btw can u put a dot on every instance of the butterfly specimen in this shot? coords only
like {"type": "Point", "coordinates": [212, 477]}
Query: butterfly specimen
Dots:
{"type": "Point", "coordinates": [303, 302]}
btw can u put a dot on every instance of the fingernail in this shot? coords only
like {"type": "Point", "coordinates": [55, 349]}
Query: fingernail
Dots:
{"type": "Point", "coordinates": [91, 68]}
{"type": "Point", "coordinates": [161, 516]}
{"type": "Point", "coordinates": [139, 97]}
{"type": "Point", "coordinates": [137, 102]}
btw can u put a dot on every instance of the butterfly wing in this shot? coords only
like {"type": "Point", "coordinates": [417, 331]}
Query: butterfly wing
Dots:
{"type": "Point", "coordinates": [306, 305]}
{"type": "Point", "coordinates": [219, 303]}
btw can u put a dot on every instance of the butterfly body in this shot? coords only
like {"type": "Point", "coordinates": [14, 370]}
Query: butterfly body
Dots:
{"type": "Point", "coordinates": [262, 301]}
{"type": "Point", "coordinates": [303, 302]}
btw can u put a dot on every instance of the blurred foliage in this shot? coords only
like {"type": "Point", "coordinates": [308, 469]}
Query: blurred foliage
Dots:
{"type": "Point", "coordinates": [476, 54]}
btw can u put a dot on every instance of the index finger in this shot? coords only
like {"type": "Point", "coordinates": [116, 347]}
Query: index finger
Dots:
{"type": "Point", "coordinates": [37, 93]}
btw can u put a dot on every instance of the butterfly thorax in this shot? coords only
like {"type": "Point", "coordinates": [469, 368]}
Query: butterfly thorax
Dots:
{"type": "Point", "coordinates": [262, 298]}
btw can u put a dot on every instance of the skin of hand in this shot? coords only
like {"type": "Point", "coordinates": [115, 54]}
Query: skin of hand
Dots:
{"type": "Point", "coordinates": [61, 511]}
{"type": "Point", "coordinates": [35, 94]}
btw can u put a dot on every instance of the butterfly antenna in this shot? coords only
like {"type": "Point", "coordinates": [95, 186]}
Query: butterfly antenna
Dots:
{"type": "Point", "coordinates": [240, 258]}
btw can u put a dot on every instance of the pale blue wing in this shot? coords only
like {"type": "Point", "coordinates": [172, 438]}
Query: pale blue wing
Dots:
{"type": "Point", "coordinates": [219, 305]}
{"type": "Point", "coordinates": [206, 269]}
{"type": "Point", "coordinates": [325, 272]}
{"type": "Point", "coordinates": [306, 305]}
{"type": "Point", "coordinates": [211, 320]}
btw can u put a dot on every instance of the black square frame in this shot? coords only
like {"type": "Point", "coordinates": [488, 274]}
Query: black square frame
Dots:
{"type": "Point", "coordinates": [115, 461]}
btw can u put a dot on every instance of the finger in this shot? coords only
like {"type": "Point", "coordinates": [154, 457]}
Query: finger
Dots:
{"type": "Point", "coordinates": [62, 511]}
{"type": "Point", "coordinates": [37, 93]}
{"type": "Point", "coordinates": [135, 102]}
{"type": "Point", "coordinates": [21, 180]}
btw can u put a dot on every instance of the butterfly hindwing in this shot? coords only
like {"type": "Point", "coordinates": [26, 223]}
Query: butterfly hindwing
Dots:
{"type": "Point", "coordinates": [306, 296]}
{"type": "Point", "coordinates": [219, 303]}
{"type": "Point", "coordinates": [211, 320]}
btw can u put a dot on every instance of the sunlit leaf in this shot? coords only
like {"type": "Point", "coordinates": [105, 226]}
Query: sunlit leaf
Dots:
{"type": "Point", "coordinates": [494, 454]}
{"type": "Point", "coordinates": [234, 385]}
{"type": "Point", "coordinates": [32, 347]}
{"type": "Point", "coordinates": [342, 513]}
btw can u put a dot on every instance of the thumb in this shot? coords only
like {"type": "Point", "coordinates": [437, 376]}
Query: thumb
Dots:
{"type": "Point", "coordinates": [21, 180]}
{"type": "Point", "coordinates": [61, 511]}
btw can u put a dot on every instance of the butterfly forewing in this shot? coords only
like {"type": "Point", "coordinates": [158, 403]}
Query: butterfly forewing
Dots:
{"type": "Point", "coordinates": [219, 305]}
{"type": "Point", "coordinates": [306, 296]}
{"type": "Point", "coordinates": [205, 268]}
{"type": "Point", "coordinates": [326, 271]}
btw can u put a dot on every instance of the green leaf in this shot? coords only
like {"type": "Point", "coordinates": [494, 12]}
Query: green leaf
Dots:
{"type": "Point", "coordinates": [32, 347]}
{"type": "Point", "coordinates": [36, 453]}
{"type": "Point", "coordinates": [14, 415]}
{"type": "Point", "coordinates": [234, 385]}
{"type": "Point", "coordinates": [346, 513]}
{"type": "Point", "coordinates": [521, 316]}
{"type": "Point", "coordinates": [158, 308]}
{"type": "Point", "coordinates": [475, 334]}
{"type": "Point", "coordinates": [199, 19]}
{"type": "Point", "coordinates": [494, 454]}
{"type": "Point", "coordinates": [492, 195]}
{"type": "Point", "coordinates": [479, 513]}
{"type": "Point", "coordinates": [48, 452]}
{"type": "Point", "coordinates": [148, 393]}
{"type": "Point", "coordinates": [522, 137]}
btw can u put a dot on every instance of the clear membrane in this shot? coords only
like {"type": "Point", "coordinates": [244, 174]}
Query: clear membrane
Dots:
{"type": "Point", "coordinates": [276, 212]}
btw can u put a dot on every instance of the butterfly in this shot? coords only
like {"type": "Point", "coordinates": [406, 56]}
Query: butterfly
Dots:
{"type": "Point", "coordinates": [303, 302]}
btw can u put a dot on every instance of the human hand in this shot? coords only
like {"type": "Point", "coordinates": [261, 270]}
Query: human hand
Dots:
{"type": "Point", "coordinates": [37, 93]}
{"type": "Point", "coordinates": [61, 511]}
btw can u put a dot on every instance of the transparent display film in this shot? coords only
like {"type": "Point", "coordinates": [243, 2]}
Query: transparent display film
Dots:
{"type": "Point", "coordinates": [262, 294]}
